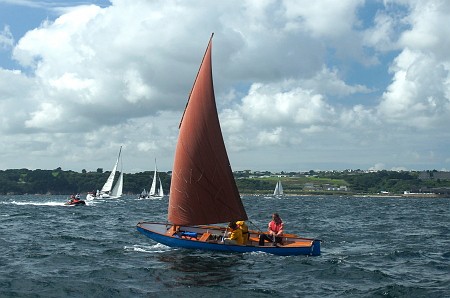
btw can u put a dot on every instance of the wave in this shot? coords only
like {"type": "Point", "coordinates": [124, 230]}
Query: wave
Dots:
{"type": "Point", "coordinates": [156, 248]}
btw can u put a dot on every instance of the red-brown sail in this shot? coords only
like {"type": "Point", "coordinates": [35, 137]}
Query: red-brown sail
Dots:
{"type": "Point", "coordinates": [203, 190]}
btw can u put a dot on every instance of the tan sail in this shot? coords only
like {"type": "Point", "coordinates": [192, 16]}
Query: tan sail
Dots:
{"type": "Point", "coordinates": [203, 190]}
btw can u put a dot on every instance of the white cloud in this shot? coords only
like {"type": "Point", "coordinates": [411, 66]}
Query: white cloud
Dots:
{"type": "Point", "coordinates": [6, 38]}
{"type": "Point", "coordinates": [378, 167]}
{"type": "Point", "coordinates": [135, 88]}
{"type": "Point", "coordinates": [382, 35]}
{"type": "Point", "coordinates": [419, 93]}
{"type": "Point", "coordinates": [46, 116]}
{"type": "Point", "coordinates": [290, 76]}
{"type": "Point", "coordinates": [328, 82]}
{"type": "Point", "coordinates": [275, 104]}
{"type": "Point", "coordinates": [321, 22]}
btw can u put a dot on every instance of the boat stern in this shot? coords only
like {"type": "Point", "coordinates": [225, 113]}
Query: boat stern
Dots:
{"type": "Point", "coordinates": [315, 251]}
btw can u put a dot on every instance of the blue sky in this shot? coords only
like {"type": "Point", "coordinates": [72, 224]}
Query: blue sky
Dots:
{"type": "Point", "coordinates": [300, 85]}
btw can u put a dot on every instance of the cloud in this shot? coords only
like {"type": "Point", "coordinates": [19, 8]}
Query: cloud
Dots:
{"type": "Point", "coordinates": [6, 38]}
{"type": "Point", "coordinates": [290, 76]}
{"type": "Point", "coordinates": [383, 35]}
{"type": "Point", "coordinates": [274, 104]}
{"type": "Point", "coordinates": [419, 95]}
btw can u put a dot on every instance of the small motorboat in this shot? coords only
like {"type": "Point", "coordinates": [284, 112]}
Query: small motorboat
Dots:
{"type": "Point", "coordinates": [75, 201]}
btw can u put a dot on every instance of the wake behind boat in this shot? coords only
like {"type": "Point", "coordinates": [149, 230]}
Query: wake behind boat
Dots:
{"type": "Point", "coordinates": [203, 190]}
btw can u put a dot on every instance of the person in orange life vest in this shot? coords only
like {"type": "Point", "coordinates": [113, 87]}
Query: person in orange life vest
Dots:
{"type": "Point", "coordinates": [244, 228]}
{"type": "Point", "coordinates": [72, 198]}
{"type": "Point", "coordinates": [275, 228]}
{"type": "Point", "coordinates": [235, 235]}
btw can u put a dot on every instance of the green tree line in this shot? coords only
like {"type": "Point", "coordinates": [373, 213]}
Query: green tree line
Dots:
{"type": "Point", "coordinates": [57, 181]}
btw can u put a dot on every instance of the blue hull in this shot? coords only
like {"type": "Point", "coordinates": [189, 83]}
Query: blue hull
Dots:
{"type": "Point", "coordinates": [313, 250]}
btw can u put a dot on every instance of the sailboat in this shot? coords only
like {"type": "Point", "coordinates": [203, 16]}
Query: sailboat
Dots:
{"type": "Point", "coordinates": [143, 195]}
{"type": "Point", "coordinates": [156, 190]}
{"type": "Point", "coordinates": [278, 189]}
{"type": "Point", "coordinates": [203, 192]}
{"type": "Point", "coordinates": [107, 190]}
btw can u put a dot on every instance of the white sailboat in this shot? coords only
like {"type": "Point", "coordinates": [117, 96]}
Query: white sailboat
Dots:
{"type": "Point", "coordinates": [156, 190]}
{"type": "Point", "coordinates": [278, 189]}
{"type": "Point", "coordinates": [143, 194]}
{"type": "Point", "coordinates": [107, 190]}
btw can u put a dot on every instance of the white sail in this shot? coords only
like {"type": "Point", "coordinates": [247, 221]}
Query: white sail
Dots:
{"type": "Point", "coordinates": [278, 189]}
{"type": "Point", "coordinates": [160, 192]}
{"type": "Point", "coordinates": [156, 190]}
{"type": "Point", "coordinates": [152, 191]}
{"type": "Point", "coordinates": [109, 183]}
{"type": "Point", "coordinates": [118, 188]}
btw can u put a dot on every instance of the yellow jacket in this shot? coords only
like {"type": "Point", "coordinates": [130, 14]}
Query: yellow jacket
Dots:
{"type": "Point", "coordinates": [237, 235]}
{"type": "Point", "coordinates": [244, 228]}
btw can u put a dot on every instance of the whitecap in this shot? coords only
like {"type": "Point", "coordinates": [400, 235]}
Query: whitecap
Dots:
{"type": "Point", "coordinates": [156, 248]}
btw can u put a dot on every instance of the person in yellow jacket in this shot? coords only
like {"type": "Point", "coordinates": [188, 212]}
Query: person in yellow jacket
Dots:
{"type": "Point", "coordinates": [244, 228]}
{"type": "Point", "coordinates": [235, 236]}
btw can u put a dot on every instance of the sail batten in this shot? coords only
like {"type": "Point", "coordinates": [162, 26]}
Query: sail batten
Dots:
{"type": "Point", "coordinates": [203, 190]}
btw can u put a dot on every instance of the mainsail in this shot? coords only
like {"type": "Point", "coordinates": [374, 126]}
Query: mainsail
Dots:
{"type": "Point", "coordinates": [203, 190]}
{"type": "Point", "coordinates": [161, 191]}
{"type": "Point", "coordinates": [109, 183]}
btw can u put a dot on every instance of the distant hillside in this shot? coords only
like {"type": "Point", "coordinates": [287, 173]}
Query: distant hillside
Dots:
{"type": "Point", "coordinates": [57, 181]}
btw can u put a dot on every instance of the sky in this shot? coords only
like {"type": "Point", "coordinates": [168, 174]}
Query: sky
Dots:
{"type": "Point", "coordinates": [300, 85]}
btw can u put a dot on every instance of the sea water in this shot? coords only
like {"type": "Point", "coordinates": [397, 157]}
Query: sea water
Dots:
{"type": "Point", "coordinates": [372, 247]}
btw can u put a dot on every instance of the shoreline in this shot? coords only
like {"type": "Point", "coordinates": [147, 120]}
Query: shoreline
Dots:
{"type": "Point", "coordinates": [411, 195]}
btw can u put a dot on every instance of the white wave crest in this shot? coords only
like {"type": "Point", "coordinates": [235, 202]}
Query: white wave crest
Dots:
{"type": "Point", "coordinates": [156, 248]}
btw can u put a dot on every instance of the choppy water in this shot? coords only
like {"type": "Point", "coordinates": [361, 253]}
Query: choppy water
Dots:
{"type": "Point", "coordinates": [373, 247]}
